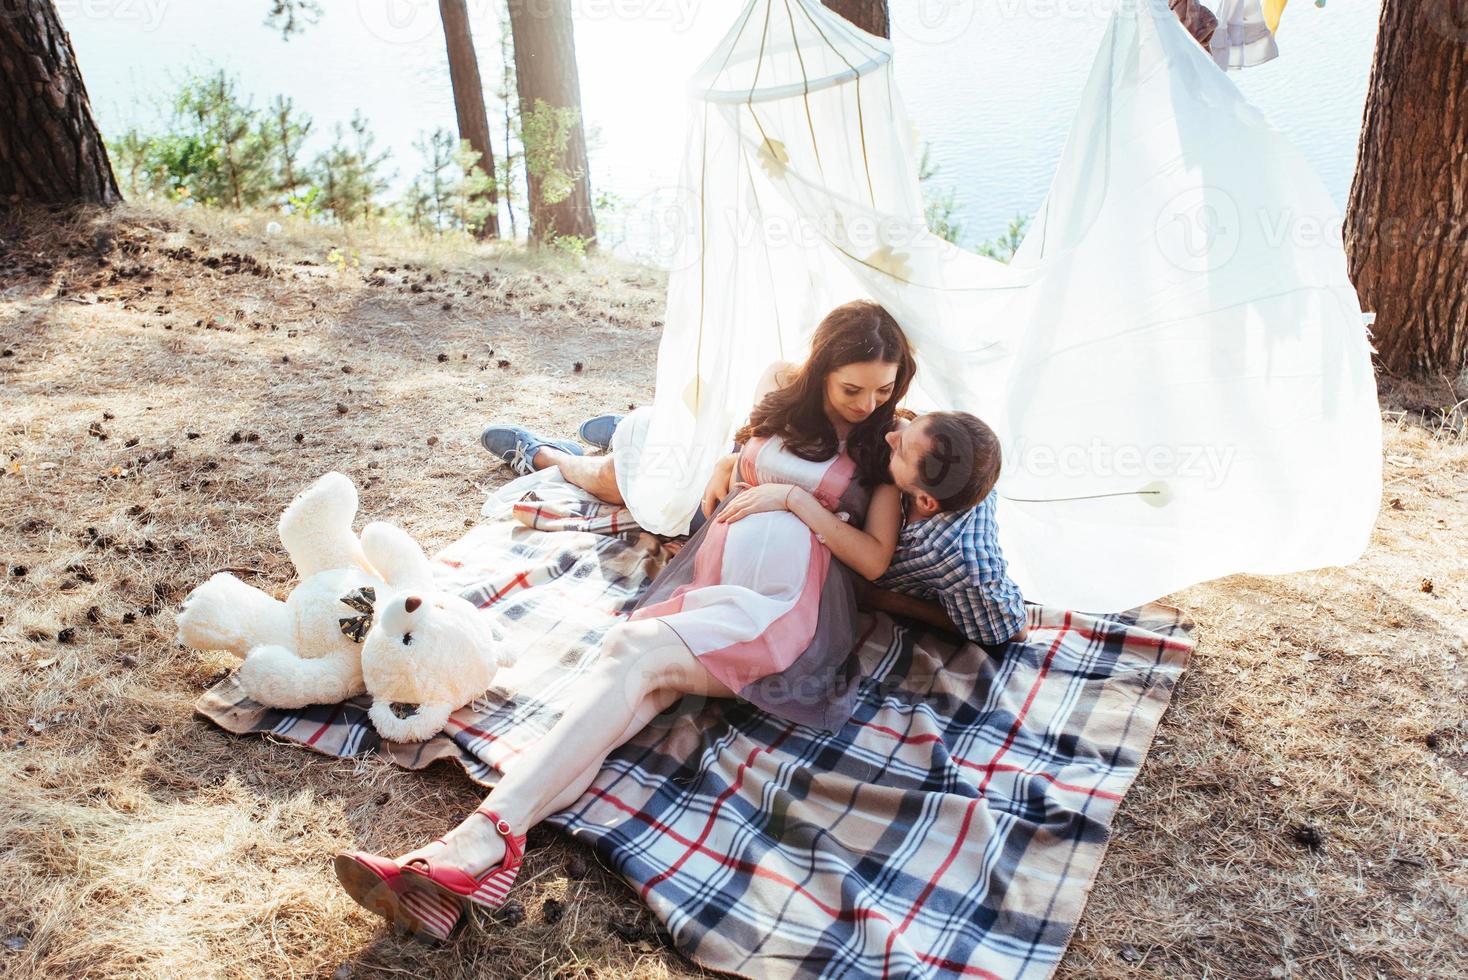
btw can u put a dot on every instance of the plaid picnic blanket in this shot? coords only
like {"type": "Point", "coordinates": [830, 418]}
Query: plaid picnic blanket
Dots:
{"type": "Point", "coordinates": [952, 828]}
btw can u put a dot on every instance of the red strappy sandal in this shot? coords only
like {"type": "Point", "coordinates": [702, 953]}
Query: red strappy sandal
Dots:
{"type": "Point", "coordinates": [490, 889]}
{"type": "Point", "coordinates": [376, 884]}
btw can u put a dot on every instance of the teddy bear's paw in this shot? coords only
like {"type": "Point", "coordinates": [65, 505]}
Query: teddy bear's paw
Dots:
{"type": "Point", "coordinates": [226, 614]}
{"type": "Point", "coordinates": [332, 495]}
{"type": "Point", "coordinates": [398, 722]}
{"type": "Point", "coordinates": [316, 529]}
{"type": "Point", "coordinates": [276, 676]}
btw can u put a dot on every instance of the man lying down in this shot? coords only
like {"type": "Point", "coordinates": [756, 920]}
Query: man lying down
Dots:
{"type": "Point", "coordinates": [947, 570]}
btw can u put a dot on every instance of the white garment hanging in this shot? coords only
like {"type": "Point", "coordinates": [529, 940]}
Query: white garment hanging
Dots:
{"type": "Point", "coordinates": [1243, 38]}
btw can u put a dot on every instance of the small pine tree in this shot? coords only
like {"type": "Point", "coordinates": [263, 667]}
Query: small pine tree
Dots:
{"type": "Point", "coordinates": [416, 206]}
{"type": "Point", "coordinates": [132, 162]}
{"type": "Point", "coordinates": [1004, 247]}
{"type": "Point", "coordinates": [450, 191]}
{"type": "Point", "coordinates": [349, 173]}
{"type": "Point", "coordinates": [292, 17]}
{"type": "Point", "coordinates": [433, 183]}
{"type": "Point", "coordinates": [235, 171]}
{"type": "Point", "coordinates": [216, 150]}
{"type": "Point", "coordinates": [284, 130]}
{"type": "Point", "coordinates": [470, 199]}
{"type": "Point", "coordinates": [939, 207]}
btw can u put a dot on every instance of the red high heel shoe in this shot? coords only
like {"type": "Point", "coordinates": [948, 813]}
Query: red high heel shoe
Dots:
{"type": "Point", "coordinates": [375, 883]}
{"type": "Point", "coordinates": [489, 889]}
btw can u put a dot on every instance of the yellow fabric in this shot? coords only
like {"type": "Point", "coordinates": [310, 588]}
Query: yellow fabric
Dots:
{"type": "Point", "coordinates": [1272, 10]}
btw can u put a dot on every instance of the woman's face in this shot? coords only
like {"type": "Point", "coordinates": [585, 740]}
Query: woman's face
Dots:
{"type": "Point", "coordinates": [855, 391]}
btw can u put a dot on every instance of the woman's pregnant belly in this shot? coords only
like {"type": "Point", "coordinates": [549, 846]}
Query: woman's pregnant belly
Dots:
{"type": "Point", "coordinates": [761, 587]}
{"type": "Point", "coordinates": [768, 553]}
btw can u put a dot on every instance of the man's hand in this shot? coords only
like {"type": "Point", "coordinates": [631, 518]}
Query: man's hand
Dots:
{"type": "Point", "coordinates": [923, 611]}
{"type": "Point", "coordinates": [900, 604]}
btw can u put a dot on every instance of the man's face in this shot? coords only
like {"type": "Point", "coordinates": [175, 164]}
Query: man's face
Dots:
{"type": "Point", "coordinates": [910, 445]}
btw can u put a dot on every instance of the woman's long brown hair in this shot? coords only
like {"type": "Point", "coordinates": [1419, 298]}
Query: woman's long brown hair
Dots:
{"type": "Point", "coordinates": [852, 333]}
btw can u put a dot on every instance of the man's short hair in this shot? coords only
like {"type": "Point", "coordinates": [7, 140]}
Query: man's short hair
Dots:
{"type": "Point", "coordinates": [962, 461]}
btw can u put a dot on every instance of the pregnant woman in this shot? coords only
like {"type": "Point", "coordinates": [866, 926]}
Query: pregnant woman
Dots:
{"type": "Point", "coordinates": [758, 605]}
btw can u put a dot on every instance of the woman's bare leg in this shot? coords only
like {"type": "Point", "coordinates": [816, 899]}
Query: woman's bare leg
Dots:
{"type": "Point", "coordinates": [651, 707]}
{"type": "Point", "coordinates": [641, 660]}
{"type": "Point", "coordinates": [596, 475]}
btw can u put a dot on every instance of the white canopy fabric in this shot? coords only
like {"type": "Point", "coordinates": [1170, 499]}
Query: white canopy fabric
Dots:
{"type": "Point", "coordinates": [1175, 359]}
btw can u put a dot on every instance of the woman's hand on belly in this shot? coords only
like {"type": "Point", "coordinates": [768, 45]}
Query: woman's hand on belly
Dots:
{"type": "Point", "coordinates": [756, 500]}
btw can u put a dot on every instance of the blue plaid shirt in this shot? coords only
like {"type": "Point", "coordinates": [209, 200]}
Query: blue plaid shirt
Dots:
{"type": "Point", "coordinates": [954, 559]}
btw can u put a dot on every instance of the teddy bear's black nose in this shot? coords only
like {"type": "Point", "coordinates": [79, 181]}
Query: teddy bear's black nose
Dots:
{"type": "Point", "coordinates": [401, 709]}
{"type": "Point", "coordinates": [412, 603]}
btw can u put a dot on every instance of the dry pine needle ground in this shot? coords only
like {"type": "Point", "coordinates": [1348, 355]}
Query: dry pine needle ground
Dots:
{"type": "Point", "coordinates": [170, 379]}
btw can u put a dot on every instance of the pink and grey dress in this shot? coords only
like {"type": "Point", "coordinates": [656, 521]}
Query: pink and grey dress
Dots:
{"type": "Point", "coordinates": [762, 602]}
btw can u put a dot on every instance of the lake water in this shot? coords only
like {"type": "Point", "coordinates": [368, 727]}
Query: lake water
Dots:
{"type": "Point", "coordinates": [991, 84]}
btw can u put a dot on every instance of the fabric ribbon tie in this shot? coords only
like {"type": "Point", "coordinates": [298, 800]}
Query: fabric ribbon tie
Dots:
{"type": "Point", "coordinates": [355, 627]}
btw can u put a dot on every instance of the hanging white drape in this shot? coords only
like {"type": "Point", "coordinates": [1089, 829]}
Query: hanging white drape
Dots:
{"type": "Point", "coordinates": [1175, 359]}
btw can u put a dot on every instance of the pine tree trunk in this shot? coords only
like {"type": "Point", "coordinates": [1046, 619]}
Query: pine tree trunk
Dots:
{"type": "Point", "coordinates": [469, 98]}
{"type": "Point", "coordinates": [545, 70]}
{"type": "Point", "coordinates": [869, 15]}
{"type": "Point", "coordinates": [50, 150]}
{"type": "Point", "coordinates": [1407, 220]}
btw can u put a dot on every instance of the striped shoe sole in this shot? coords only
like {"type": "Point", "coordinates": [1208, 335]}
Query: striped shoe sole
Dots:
{"type": "Point", "coordinates": [441, 916]}
{"type": "Point", "coordinates": [493, 890]}
{"type": "Point", "coordinates": [490, 893]}
{"type": "Point", "coordinates": [418, 912]}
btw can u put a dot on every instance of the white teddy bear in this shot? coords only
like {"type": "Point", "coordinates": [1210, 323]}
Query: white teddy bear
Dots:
{"type": "Point", "coordinates": [427, 654]}
{"type": "Point", "coordinates": [365, 616]}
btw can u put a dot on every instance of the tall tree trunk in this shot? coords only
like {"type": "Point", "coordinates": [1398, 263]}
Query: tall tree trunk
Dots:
{"type": "Point", "coordinates": [469, 98]}
{"type": "Point", "coordinates": [506, 92]}
{"type": "Point", "coordinates": [50, 150]}
{"type": "Point", "coordinates": [545, 72]}
{"type": "Point", "coordinates": [869, 15]}
{"type": "Point", "coordinates": [1407, 221]}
